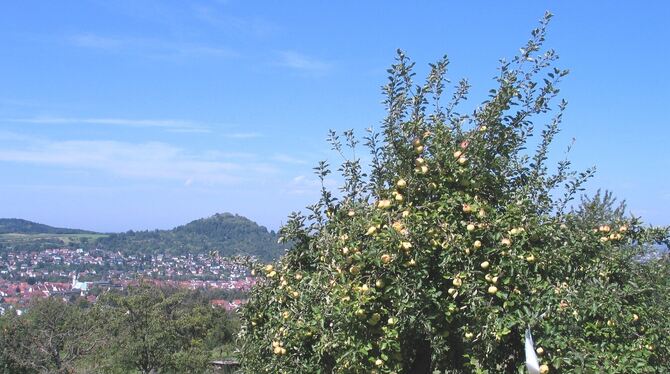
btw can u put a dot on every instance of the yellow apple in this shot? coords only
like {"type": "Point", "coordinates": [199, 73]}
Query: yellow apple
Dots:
{"type": "Point", "coordinates": [462, 160]}
{"type": "Point", "coordinates": [484, 265]}
{"type": "Point", "coordinates": [470, 227]}
{"type": "Point", "coordinates": [492, 290]}
{"type": "Point", "coordinates": [506, 242]}
{"type": "Point", "coordinates": [544, 369]}
{"type": "Point", "coordinates": [383, 204]}
{"type": "Point", "coordinates": [477, 244]}
{"type": "Point", "coordinates": [386, 258]}
{"type": "Point", "coordinates": [401, 183]}
{"type": "Point", "coordinates": [467, 208]}
{"type": "Point", "coordinates": [457, 282]}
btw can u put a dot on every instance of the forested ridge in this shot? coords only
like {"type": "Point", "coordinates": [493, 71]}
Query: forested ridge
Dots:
{"type": "Point", "coordinates": [22, 226]}
{"type": "Point", "coordinates": [226, 234]}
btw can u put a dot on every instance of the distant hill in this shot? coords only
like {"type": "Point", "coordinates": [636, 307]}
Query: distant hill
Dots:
{"type": "Point", "coordinates": [228, 234]}
{"type": "Point", "coordinates": [22, 226]}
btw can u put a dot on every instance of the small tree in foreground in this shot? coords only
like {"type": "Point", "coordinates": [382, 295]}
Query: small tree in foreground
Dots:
{"type": "Point", "coordinates": [456, 240]}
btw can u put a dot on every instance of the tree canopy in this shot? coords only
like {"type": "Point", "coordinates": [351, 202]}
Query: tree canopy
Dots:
{"type": "Point", "coordinates": [456, 238]}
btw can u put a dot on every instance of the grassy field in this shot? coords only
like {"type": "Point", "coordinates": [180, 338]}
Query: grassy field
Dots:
{"type": "Point", "coordinates": [66, 239]}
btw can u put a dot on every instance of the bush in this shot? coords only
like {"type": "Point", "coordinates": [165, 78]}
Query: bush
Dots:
{"type": "Point", "coordinates": [454, 241]}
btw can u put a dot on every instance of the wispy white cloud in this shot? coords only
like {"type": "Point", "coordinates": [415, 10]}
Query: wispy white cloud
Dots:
{"type": "Point", "coordinates": [303, 185]}
{"type": "Point", "coordinates": [304, 63]}
{"type": "Point", "coordinates": [167, 124]}
{"type": "Point", "coordinates": [213, 17]}
{"type": "Point", "coordinates": [146, 161]}
{"type": "Point", "coordinates": [243, 135]}
{"type": "Point", "coordinates": [149, 47]}
{"type": "Point", "coordinates": [281, 157]}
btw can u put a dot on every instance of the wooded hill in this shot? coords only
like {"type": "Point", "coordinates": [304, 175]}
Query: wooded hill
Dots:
{"type": "Point", "coordinates": [227, 234]}
{"type": "Point", "coordinates": [22, 226]}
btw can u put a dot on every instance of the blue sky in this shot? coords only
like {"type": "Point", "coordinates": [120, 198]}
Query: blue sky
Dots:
{"type": "Point", "coordinates": [139, 114]}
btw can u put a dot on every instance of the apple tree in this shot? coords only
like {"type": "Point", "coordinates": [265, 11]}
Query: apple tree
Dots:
{"type": "Point", "coordinates": [454, 239]}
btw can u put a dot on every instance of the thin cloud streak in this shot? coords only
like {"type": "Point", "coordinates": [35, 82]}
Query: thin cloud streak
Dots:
{"type": "Point", "coordinates": [229, 23]}
{"type": "Point", "coordinates": [149, 47]}
{"type": "Point", "coordinates": [243, 135]}
{"type": "Point", "coordinates": [144, 161]}
{"type": "Point", "coordinates": [288, 159]}
{"type": "Point", "coordinates": [301, 62]}
{"type": "Point", "coordinates": [167, 124]}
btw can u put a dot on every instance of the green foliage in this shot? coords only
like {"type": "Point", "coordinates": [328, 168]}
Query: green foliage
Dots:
{"type": "Point", "coordinates": [145, 329]}
{"type": "Point", "coordinates": [454, 241]}
{"type": "Point", "coordinates": [151, 329]}
{"type": "Point", "coordinates": [49, 338]}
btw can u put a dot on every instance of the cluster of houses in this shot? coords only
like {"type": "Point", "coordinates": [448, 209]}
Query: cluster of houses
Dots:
{"type": "Point", "coordinates": [71, 274]}
{"type": "Point", "coordinates": [99, 264]}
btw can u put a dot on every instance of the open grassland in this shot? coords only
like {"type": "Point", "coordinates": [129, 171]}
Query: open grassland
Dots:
{"type": "Point", "coordinates": [16, 239]}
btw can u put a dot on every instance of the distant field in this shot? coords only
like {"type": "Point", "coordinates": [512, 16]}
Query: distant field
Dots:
{"type": "Point", "coordinates": [15, 238]}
